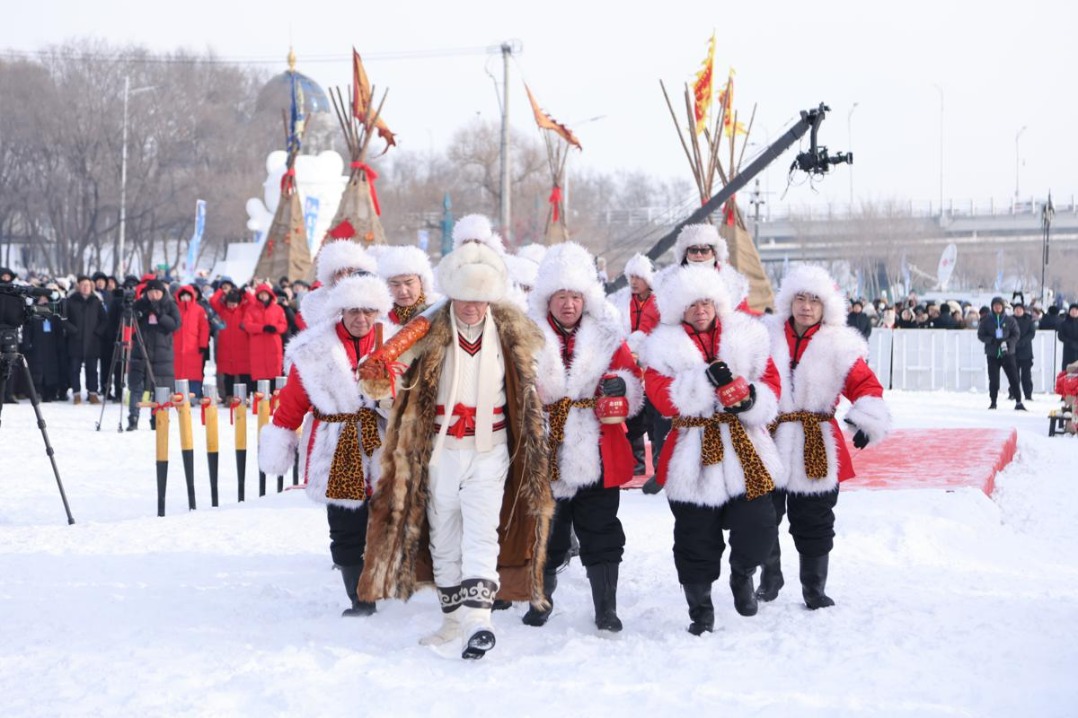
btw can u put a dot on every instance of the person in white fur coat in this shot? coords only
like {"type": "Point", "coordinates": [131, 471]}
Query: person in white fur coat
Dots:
{"type": "Point", "coordinates": [335, 261]}
{"type": "Point", "coordinates": [820, 359]}
{"type": "Point", "coordinates": [585, 356]}
{"type": "Point", "coordinates": [701, 244]}
{"type": "Point", "coordinates": [719, 463]}
{"type": "Point", "coordinates": [342, 445]}
{"type": "Point", "coordinates": [408, 274]}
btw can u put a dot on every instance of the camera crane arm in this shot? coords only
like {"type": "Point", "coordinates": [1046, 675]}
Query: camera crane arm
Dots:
{"type": "Point", "coordinates": [815, 160]}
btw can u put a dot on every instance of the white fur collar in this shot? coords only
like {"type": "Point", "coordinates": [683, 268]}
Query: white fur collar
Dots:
{"type": "Point", "coordinates": [323, 365]}
{"type": "Point", "coordinates": [596, 340]}
{"type": "Point", "coordinates": [821, 374]}
{"type": "Point", "coordinates": [744, 347]}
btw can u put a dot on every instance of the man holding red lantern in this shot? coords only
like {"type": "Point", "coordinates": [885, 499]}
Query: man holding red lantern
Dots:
{"type": "Point", "coordinates": [709, 369]}
{"type": "Point", "coordinates": [589, 383]}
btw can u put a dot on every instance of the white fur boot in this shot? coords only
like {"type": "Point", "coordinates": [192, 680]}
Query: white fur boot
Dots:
{"type": "Point", "coordinates": [477, 632]}
{"type": "Point", "coordinates": [449, 631]}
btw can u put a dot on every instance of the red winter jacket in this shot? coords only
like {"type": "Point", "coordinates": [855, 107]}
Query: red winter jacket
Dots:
{"type": "Point", "coordinates": [191, 338]}
{"type": "Point", "coordinates": [266, 348]}
{"type": "Point", "coordinates": [233, 345]}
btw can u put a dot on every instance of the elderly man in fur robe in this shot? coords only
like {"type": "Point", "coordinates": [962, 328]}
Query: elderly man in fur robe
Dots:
{"type": "Point", "coordinates": [342, 444]}
{"type": "Point", "coordinates": [585, 357]}
{"type": "Point", "coordinates": [708, 367]}
{"type": "Point", "coordinates": [464, 460]}
{"type": "Point", "coordinates": [819, 358]}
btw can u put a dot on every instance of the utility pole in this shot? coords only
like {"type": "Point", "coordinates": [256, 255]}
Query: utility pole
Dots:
{"type": "Point", "coordinates": [1048, 213]}
{"type": "Point", "coordinates": [756, 201]}
{"type": "Point", "coordinates": [504, 210]}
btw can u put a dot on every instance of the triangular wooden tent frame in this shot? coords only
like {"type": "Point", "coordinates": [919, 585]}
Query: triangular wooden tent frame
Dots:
{"type": "Point", "coordinates": [707, 166]}
{"type": "Point", "coordinates": [286, 251]}
{"type": "Point", "coordinates": [558, 139]}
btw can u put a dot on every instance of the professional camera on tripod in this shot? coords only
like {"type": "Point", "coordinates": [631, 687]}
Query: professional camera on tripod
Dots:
{"type": "Point", "coordinates": [126, 335]}
{"type": "Point", "coordinates": [17, 307]}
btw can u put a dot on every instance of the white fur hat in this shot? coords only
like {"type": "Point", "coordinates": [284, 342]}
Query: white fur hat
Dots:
{"type": "Point", "coordinates": [567, 266]}
{"type": "Point", "coordinates": [342, 254]}
{"type": "Point", "coordinates": [533, 252]}
{"type": "Point", "coordinates": [693, 235]}
{"type": "Point", "coordinates": [473, 273]}
{"type": "Point", "coordinates": [397, 261]}
{"type": "Point", "coordinates": [476, 227]}
{"type": "Point", "coordinates": [689, 284]}
{"type": "Point", "coordinates": [359, 293]}
{"type": "Point", "coordinates": [640, 266]}
{"type": "Point", "coordinates": [522, 271]}
{"type": "Point", "coordinates": [811, 279]}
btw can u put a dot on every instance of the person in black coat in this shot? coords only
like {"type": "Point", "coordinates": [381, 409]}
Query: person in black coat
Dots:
{"type": "Point", "coordinates": [85, 327]}
{"type": "Point", "coordinates": [158, 320]}
{"type": "Point", "coordinates": [1023, 354]}
{"type": "Point", "coordinates": [43, 341]}
{"type": "Point", "coordinates": [858, 319]}
{"type": "Point", "coordinates": [1000, 334]}
{"type": "Point", "coordinates": [1068, 334]}
{"type": "Point", "coordinates": [1051, 319]}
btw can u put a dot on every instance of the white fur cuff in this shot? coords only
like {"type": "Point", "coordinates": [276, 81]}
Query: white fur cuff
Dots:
{"type": "Point", "coordinates": [276, 449]}
{"type": "Point", "coordinates": [871, 415]}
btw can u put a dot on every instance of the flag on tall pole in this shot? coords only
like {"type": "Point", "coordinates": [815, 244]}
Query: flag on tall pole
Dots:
{"type": "Point", "coordinates": [546, 122]}
{"type": "Point", "coordinates": [361, 100]}
{"type": "Point", "coordinates": [703, 88]}
{"type": "Point", "coordinates": [726, 99]}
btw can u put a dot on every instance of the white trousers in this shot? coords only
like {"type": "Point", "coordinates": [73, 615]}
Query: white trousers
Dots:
{"type": "Point", "coordinates": [464, 509]}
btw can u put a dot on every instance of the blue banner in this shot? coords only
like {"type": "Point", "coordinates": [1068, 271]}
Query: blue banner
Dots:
{"type": "Point", "coordinates": [196, 238]}
{"type": "Point", "coordinates": [310, 219]}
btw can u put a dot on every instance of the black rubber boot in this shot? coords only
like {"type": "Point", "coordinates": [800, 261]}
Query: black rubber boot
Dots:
{"type": "Point", "coordinates": [771, 580]}
{"type": "Point", "coordinates": [604, 594]}
{"type": "Point", "coordinates": [701, 610]}
{"type": "Point", "coordinates": [639, 456]}
{"type": "Point", "coordinates": [742, 588]}
{"type": "Point", "coordinates": [813, 581]}
{"type": "Point", "coordinates": [350, 575]}
{"type": "Point", "coordinates": [536, 617]}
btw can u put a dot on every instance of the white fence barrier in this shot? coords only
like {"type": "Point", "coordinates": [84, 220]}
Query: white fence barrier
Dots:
{"type": "Point", "coordinates": [950, 360]}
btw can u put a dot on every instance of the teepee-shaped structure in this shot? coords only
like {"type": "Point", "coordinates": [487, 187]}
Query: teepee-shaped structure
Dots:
{"type": "Point", "coordinates": [559, 140]}
{"type": "Point", "coordinates": [358, 214]}
{"type": "Point", "coordinates": [285, 251]}
{"type": "Point", "coordinates": [707, 163]}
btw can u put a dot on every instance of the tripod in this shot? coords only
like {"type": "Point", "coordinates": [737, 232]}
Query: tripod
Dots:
{"type": "Point", "coordinates": [127, 334]}
{"type": "Point", "coordinates": [9, 359]}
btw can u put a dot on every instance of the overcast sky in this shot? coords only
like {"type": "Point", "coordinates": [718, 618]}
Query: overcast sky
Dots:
{"type": "Point", "coordinates": [993, 67]}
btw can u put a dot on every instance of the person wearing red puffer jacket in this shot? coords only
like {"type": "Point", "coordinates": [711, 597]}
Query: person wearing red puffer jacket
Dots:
{"type": "Point", "coordinates": [191, 343]}
{"type": "Point", "coordinates": [233, 350]}
{"type": "Point", "coordinates": [264, 321]}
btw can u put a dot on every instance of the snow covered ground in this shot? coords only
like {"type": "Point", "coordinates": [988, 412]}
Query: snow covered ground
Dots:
{"type": "Point", "coordinates": [949, 603]}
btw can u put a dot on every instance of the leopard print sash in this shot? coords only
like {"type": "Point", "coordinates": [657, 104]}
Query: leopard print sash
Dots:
{"type": "Point", "coordinates": [346, 479]}
{"type": "Point", "coordinates": [557, 414]}
{"type": "Point", "coordinates": [757, 479]}
{"type": "Point", "coordinates": [815, 453]}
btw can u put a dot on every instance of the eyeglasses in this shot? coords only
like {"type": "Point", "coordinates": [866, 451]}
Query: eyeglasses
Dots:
{"type": "Point", "coordinates": [705, 249]}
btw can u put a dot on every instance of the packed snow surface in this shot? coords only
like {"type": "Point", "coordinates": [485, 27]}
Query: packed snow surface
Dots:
{"type": "Point", "coordinates": [948, 603]}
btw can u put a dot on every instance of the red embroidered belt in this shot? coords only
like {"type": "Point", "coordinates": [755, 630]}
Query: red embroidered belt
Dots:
{"type": "Point", "coordinates": [465, 423]}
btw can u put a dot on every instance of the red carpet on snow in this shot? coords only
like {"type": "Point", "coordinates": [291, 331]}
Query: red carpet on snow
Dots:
{"type": "Point", "coordinates": [922, 459]}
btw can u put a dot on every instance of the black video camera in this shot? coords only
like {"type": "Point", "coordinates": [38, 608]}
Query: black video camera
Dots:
{"type": "Point", "coordinates": [18, 304]}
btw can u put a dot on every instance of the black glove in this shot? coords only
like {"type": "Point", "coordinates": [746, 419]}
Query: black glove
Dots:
{"type": "Point", "coordinates": [744, 405]}
{"type": "Point", "coordinates": [719, 374]}
{"type": "Point", "coordinates": [613, 386]}
{"type": "Point", "coordinates": [860, 439]}
{"type": "Point", "coordinates": [269, 329]}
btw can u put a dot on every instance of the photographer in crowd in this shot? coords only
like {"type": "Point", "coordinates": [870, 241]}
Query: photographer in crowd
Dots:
{"type": "Point", "coordinates": [158, 320]}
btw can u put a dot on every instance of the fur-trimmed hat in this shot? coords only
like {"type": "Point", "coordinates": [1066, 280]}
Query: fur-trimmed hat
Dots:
{"type": "Point", "coordinates": [567, 266]}
{"type": "Point", "coordinates": [693, 235]}
{"type": "Point", "coordinates": [342, 254]}
{"type": "Point", "coordinates": [810, 279]}
{"type": "Point", "coordinates": [398, 261]}
{"type": "Point", "coordinates": [478, 228]}
{"type": "Point", "coordinates": [640, 266]}
{"type": "Point", "coordinates": [532, 252]}
{"type": "Point", "coordinates": [522, 271]}
{"type": "Point", "coordinates": [359, 292]}
{"type": "Point", "coordinates": [473, 273]}
{"type": "Point", "coordinates": [686, 285]}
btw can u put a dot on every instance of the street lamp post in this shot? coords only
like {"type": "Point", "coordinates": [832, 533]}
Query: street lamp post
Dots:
{"type": "Point", "coordinates": [1017, 163]}
{"type": "Point", "coordinates": [123, 172]}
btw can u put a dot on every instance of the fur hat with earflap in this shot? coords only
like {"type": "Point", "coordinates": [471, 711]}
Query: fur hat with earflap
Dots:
{"type": "Point", "coordinates": [810, 279]}
{"type": "Point", "coordinates": [473, 273]}
{"type": "Point", "coordinates": [640, 266]}
{"type": "Point", "coordinates": [698, 235]}
{"type": "Point", "coordinates": [568, 267]}
{"type": "Point", "coordinates": [687, 285]}
{"type": "Point", "coordinates": [398, 261]}
{"type": "Point", "coordinates": [342, 254]}
{"type": "Point", "coordinates": [476, 228]}
{"type": "Point", "coordinates": [359, 292]}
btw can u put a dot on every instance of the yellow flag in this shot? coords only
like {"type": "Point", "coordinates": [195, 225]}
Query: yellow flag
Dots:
{"type": "Point", "coordinates": [702, 89]}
